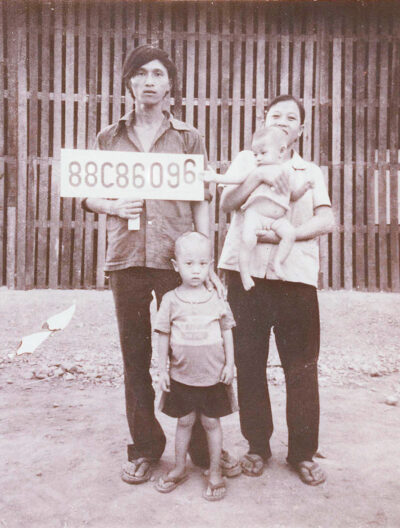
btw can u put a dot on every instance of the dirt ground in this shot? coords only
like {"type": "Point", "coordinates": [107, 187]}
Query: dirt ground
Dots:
{"type": "Point", "coordinates": [63, 428]}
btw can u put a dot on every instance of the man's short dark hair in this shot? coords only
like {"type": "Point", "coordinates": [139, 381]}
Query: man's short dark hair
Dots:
{"type": "Point", "coordinates": [141, 55]}
{"type": "Point", "coordinates": [287, 97]}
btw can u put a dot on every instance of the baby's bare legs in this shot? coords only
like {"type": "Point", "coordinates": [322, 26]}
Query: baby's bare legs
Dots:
{"type": "Point", "coordinates": [251, 224]}
{"type": "Point", "coordinates": [286, 232]}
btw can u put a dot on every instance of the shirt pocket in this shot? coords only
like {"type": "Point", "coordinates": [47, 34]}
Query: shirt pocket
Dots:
{"type": "Point", "coordinates": [172, 228]}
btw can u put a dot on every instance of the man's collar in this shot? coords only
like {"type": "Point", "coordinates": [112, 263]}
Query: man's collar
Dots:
{"type": "Point", "coordinates": [168, 118]}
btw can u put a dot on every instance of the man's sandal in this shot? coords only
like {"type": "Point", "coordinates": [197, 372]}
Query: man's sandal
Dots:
{"type": "Point", "coordinates": [309, 472]}
{"type": "Point", "coordinates": [167, 484]}
{"type": "Point", "coordinates": [209, 493]}
{"type": "Point", "coordinates": [252, 464]}
{"type": "Point", "coordinates": [130, 468]}
{"type": "Point", "coordinates": [230, 467]}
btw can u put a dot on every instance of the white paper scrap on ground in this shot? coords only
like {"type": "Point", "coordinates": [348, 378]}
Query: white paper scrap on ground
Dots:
{"type": "Point", "coordinates": [61, 320]}
{"type": "Point", "coordinates": [30, 343]}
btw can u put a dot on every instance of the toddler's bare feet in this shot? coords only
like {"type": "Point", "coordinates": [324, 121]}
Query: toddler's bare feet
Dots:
{"type": "Point", "coordinates": [216, 488]}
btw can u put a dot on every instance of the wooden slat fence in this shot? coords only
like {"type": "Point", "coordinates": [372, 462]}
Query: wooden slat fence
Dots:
{"type": "Point", "coordinates": [60, 83]}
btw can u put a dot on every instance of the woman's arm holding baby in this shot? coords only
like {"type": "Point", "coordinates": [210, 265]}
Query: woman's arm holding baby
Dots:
{"type": "Point", "coordinates": [321, 223]}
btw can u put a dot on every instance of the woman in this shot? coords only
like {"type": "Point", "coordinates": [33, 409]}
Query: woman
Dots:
{"type": "Point", "coordinates": [290, 306]}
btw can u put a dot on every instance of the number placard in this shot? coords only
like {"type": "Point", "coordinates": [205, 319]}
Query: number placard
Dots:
{"type": "Point", "coordinates": [114, 174]}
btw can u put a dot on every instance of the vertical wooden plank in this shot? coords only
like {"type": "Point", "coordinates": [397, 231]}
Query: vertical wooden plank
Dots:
{"type": "Point", "coordinates": [2, 149]}
{"type": "Point", "coordinates": [179, 18]}
{"type": "Point", "coordinates": [248, 79]}
{"type": "Point", "coordinates": [92, 120]}
{"type": "Point", "coordinates": [273, 55]}
{"type": "Point", "coordinates": [190, 63]}
{"type": "Point", "coordinates": [143, 21]}
{"type": "Point", "coordinates": [32, 140]}
{"type": "Point", "coordinates": [214, 82]}
{"type": "Point", "coordinates": [167, 18]}
{"type": "Point", "coordinates": [382, 149]}
{"type": "Point", "coordinates": [224, 139]}
{"type": "Point", "coordinates": [394, 104]}
{"type": "Point", "coordinates": [297, 16]}
{"type": "Point", "coordinates": [214, 123]}
{"type": "Point", "coordinates": [225, 78]}
{"type": "Point", "coordinates": [202, 78]}
{"type": "Point", "coordinates": [104, 121]}
{"type": "Point", "coordinates": [236, 82]}
{"type": "Point", "coordinates": [22, 141]}
{"type": "Point", "coordinates": [323, 96]}
{"type": "Point", "coordinates": [55, 174]}
{"type": "Point", "coordinates": [359, 147]}
{"type": "Point", "coordinates": [80, 137]}
{"type": "Point", "coordinates": [155, 24]}
{"type": "Point", "coordinates": [42, 263]}
{"type": "Point", "coordinates": [348, 155]}
{"type": "Point", "coordinates": [11, 244]}
{"type": "Point", "coordinates": [129, 17]}
{"type": "Point", "coordinates": [117, 61]}
{"type": "Point", "coordinates": [336, 148]}
{"type": "Point", "coordinates": [66, 237]}
{"type": "Point", "coordinates": [371, 146]}
{"type": "Point", "coordinates": [260, 67]}
{"type": "Point", "coordinates": [309, 46]}
{"type": "Point", "coordinates": [284, 34]}
{"type": "Point", "coordinates": [12, 147]}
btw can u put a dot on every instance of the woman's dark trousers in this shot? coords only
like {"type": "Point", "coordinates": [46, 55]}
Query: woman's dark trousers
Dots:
{"type": "Point", "coordinates": [291, 309]}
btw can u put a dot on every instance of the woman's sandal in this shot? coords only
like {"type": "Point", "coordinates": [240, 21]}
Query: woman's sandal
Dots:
{"type": "Point", "coordinates": [130, 468]}
{"type": "Point", "coordinates": [252, 464]}
{"type": "Point", "coordinates": [309, 472]}
{"type": "Point", "coordinates": [167, 484]}
{"type": "Point", "coordinates": [212, 488]}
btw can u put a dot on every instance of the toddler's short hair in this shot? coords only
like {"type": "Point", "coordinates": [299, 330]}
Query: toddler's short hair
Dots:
{"type": "Point", "coordinates": [190, 236]}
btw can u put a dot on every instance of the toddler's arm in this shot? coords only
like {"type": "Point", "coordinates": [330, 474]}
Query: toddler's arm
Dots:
{"type": "Point", "coordinates": [228, 370]}
{"type": "Point", "coordinates": [163, 374]}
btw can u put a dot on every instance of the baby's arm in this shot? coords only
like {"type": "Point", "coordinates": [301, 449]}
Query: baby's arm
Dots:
{"type": "Point", "coordinates": [237, 172]}
{"type": "Point", "coordinates": [298, 193]}
{"type": "Point", "coordinates": [228, 370]}
{"type": "Point", "coordinates": [163, 374]}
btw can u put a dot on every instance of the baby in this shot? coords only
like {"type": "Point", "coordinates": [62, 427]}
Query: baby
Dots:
{"type": "Point", "coordinates": [196, 324]}
{"type": "Point", "coordinates": [265, 209]}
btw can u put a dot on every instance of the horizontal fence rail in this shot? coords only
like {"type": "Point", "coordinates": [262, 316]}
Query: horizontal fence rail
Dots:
{"type": "Point", "coordinates": [60, 83]}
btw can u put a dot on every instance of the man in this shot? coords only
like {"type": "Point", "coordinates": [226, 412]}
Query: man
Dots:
{"type": "Point", "coordinates": [139, 262]}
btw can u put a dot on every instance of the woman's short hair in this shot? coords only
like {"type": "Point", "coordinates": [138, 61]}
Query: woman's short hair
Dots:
{"type": "Point", "coordinates": [287, 97]}
{"type": "Point", "coordinates": [141, 55]}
